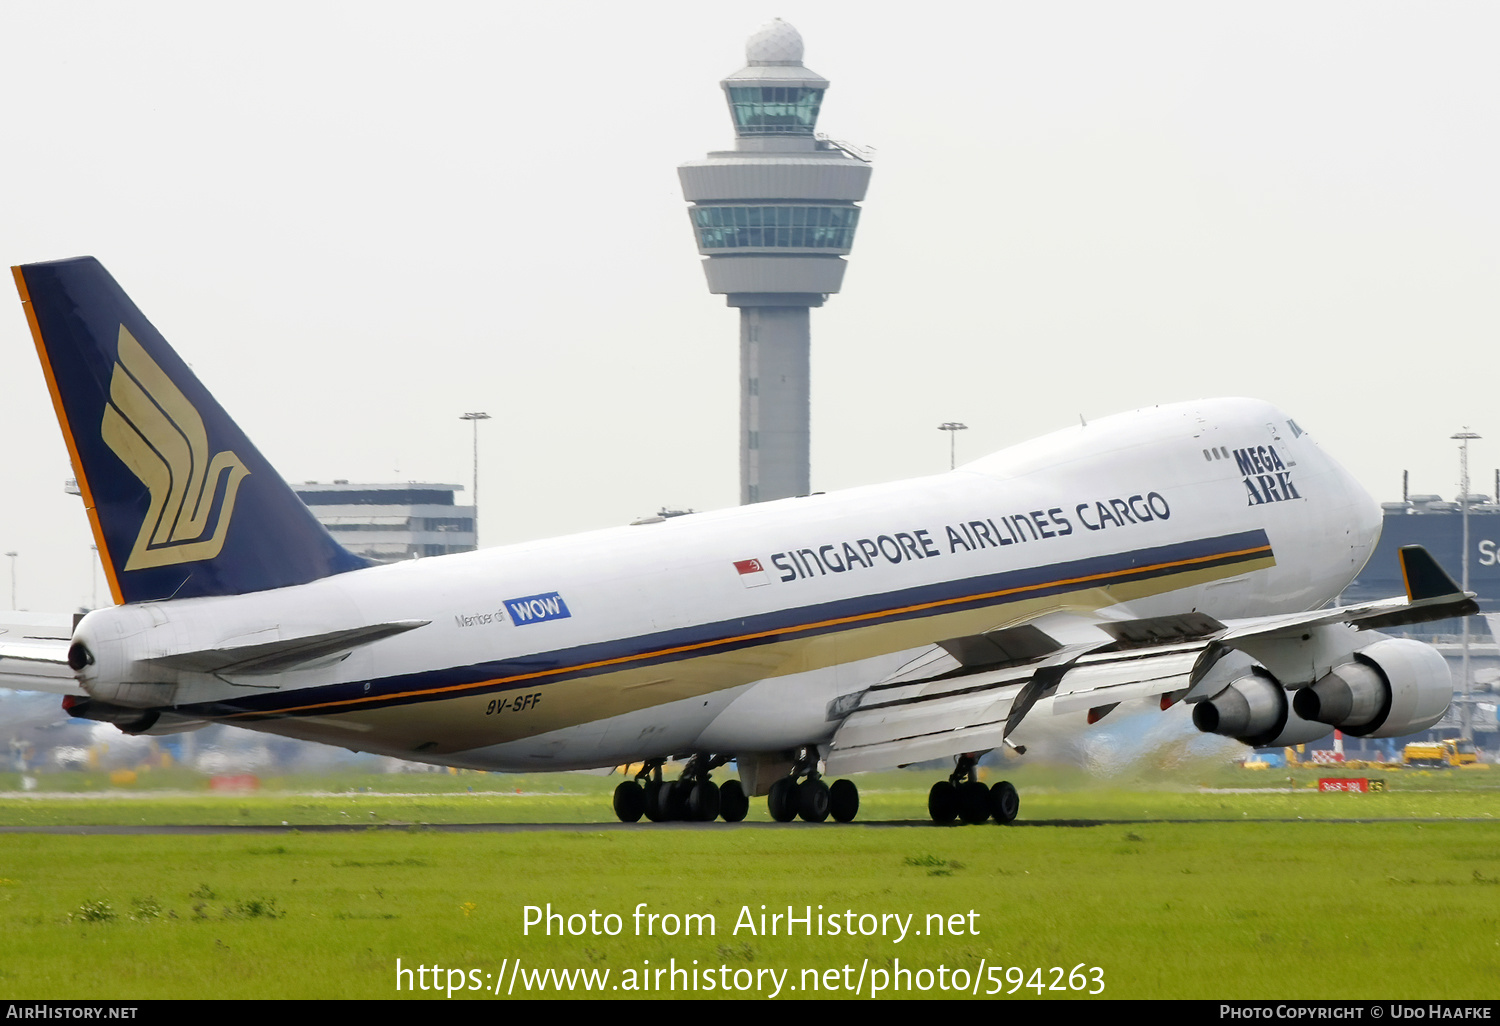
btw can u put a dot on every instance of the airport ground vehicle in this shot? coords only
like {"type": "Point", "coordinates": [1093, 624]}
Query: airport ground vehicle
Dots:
{"type": "Point", "coordinates": [1450, 752]}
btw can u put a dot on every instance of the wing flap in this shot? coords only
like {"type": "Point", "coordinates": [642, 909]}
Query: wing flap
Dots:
{"type": "Point", "coordinates": [916, 749]}
{"type": "Point", "coordinates": [911, 721]}
{"type": "Point", "coordinates": [874, 726]}
{"type": "Point", "coordinates": [1103, 680]}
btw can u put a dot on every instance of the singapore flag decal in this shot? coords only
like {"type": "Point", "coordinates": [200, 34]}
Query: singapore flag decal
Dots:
{"type": "Point", "coordinates": [752, 574]}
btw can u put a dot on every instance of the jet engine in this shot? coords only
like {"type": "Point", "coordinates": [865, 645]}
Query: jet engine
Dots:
{"type": "Point", "coordinates": [1255, 710]}
{"type": "Point", "coordinates": [1391, 688]}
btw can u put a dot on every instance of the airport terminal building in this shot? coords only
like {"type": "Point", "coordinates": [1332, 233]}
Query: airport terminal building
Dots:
{"type": "Point", "coordinates": [392, 522]}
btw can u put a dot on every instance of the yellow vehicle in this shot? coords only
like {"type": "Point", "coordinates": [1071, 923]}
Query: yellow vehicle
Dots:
{"type": "Point", "coordinates": [1451, 752]}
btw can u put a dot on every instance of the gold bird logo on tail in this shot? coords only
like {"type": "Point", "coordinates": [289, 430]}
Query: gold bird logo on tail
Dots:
{"type": "Point", "coordinates": [158, 434]}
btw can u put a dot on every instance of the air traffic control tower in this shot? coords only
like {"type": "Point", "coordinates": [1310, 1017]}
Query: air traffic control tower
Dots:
{"type": "Point", "coordinates": [774, 217]}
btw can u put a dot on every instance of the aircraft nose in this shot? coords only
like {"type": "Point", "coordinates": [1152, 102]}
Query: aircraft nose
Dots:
{"type": "Point", "coordinates": [1371, 517]}
{"type": "Point", "coordinates": [1364, 518]}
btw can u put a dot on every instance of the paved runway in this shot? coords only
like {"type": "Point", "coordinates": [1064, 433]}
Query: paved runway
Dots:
{"type": "Point", "coordinates": [518, 828]}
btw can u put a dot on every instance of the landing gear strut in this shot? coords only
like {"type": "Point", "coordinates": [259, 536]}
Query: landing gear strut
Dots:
{"type": "Point", "coordinates": [963, 797]}
{"type": "Point", "coordinates": [812, 798]}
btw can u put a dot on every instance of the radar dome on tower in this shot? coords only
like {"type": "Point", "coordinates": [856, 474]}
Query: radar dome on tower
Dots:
{"type": "Point", "coordinates": [775, 43]}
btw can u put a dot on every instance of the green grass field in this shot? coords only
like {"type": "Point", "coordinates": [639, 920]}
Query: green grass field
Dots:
{"type": "Point", "coordinates": [1229, 906]}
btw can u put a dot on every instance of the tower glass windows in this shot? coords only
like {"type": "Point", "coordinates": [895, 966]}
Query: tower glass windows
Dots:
{"type": "Point", "coordinates": [776, 227]}
{"type": "Point", "coordinates": [775, 110]}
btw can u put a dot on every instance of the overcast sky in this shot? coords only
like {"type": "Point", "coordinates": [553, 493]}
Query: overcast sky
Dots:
{"type": "Point", "coordinates": [357, 221]}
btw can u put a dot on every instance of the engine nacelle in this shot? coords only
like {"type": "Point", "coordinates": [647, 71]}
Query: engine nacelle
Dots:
{"type": "Point", "coordinates": [1254, 710]}
{"type": "Point", "coordinates": [1391, 688]}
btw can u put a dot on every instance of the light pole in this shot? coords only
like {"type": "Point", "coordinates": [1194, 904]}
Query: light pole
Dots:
{"type": "Point", "coordinates": [474, 419]}
{"type": "Point", "coordinates": [12, 556]}
{"type": "Point", "coordinates": [1462, 438]}
{"type": "Point", "coordinates": [953, 427]}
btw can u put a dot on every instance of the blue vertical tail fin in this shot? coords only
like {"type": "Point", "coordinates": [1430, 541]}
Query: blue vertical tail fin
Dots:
{"type": "Point", "coordinates": [181, 504]}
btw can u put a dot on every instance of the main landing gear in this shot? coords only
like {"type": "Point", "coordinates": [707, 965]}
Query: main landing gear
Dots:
{"type": "Point", "coordinates": [693, 797]}
{"type": "Point", "coordinates": [813, 799]}
{"type": "Point", "coordinates": [963, 797]}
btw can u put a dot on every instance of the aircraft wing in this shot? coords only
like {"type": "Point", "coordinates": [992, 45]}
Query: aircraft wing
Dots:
{"type": "Point", "coordinates": [969, 694]}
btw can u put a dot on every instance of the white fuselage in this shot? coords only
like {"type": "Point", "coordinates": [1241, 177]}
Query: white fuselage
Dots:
{"type": "Point", "coordinates": [741, 630]}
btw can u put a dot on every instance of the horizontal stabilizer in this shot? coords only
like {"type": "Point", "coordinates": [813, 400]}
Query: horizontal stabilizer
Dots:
{"type": "Point", "coordinates": [16, 625]}
{"type": "Point", "coordinates": [283, 654]}
{"type": "Point", "coordinates": [37, 664]}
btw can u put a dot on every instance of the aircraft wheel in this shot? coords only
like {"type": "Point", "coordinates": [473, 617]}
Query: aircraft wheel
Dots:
{"type": "Point", "coordinates": [782, 801]}
{"type": "Point", "coordinates": [1004, 802]}
{"type": "Point", "coordinates": [733, 804]}
{"type": "Point", "coordinates": [654, 809]}
{"type": "Point", "coordinates": [675, 799]}
{"type": "Point", "coordinates": [973, 802]}
{"type": "Point", "coordinates": [630, 801]}
{"type": "Point", "coordinates": [843, 800]}
{"type": "Point", "coordinates": [942, 802]}
{"type": "Point", "coordinates": [812, 801]}
{"type": "Point", "coordinates": [666, 802]}
{"type": "Point", "coordinates": [703, 802]}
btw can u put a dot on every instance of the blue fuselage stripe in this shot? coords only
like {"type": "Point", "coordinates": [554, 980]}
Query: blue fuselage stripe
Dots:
{"type": "Point", "coordinates": [760, 629]}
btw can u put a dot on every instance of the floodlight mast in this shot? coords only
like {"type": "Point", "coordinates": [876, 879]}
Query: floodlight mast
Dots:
{"type": "Point", "coordinates": [774, 218]}
{"type": "Point", "coordinates": [1466, 711]}
{"type": "Point", "coordinates": [953, 427]}
{"type": "Point", "coordinates": [474, 417]}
